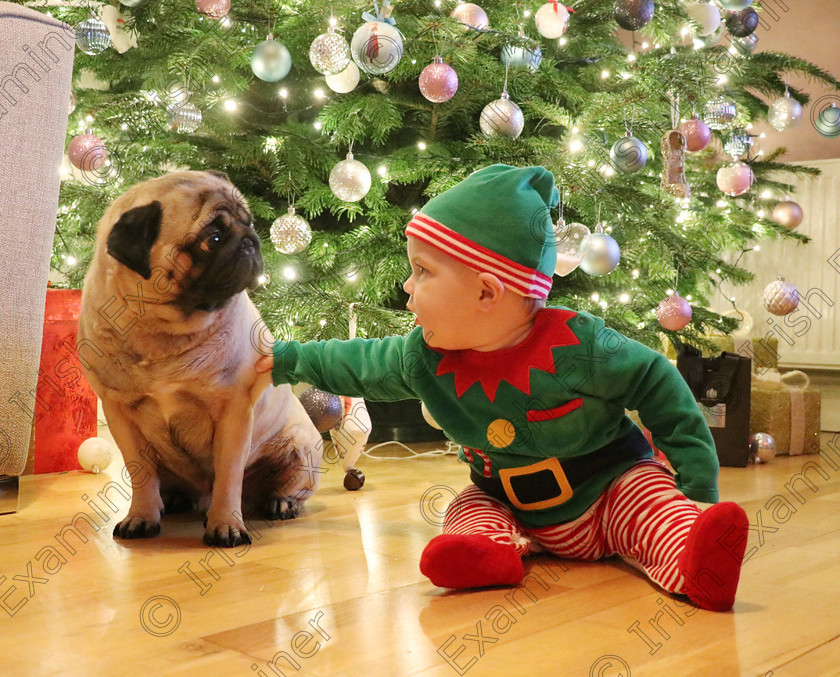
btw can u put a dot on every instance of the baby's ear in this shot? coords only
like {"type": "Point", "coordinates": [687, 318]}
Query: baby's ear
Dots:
{"type": "Point", "coordinates": [265, 363]}
{"type": "Point", "coordinates": [492, 291]}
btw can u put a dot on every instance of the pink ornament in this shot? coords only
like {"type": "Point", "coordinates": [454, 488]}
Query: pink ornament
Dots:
{"type": "Point", "coordinates": [87, 152]}
{"type": "Point", "coordinates": [735, 179]}
{"type": "Point", "coordinates": [214, 9]}
{"type": "Point", "coordinates": [673, 313]}
{"type": "Point", "coordinates": [438, 81]}
{"type": "Point", "coordinates": [471, 14]}
{"type": "Point", "coordinates": [697, 134]}
{"type": "Point", "coordinates": [788, 213]}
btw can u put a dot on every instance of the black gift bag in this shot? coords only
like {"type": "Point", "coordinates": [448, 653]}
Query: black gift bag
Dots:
{"type": "Point", "coordinates": [722, 387]}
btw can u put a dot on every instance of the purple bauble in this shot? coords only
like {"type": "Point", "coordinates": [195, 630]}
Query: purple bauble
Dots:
{"type": "Point", "coordinates": [438, 81]}
{"type": "Point", "coordinates": [214, 9]}
{"type": "Point", "coordinates": [697, 134]}
{"type": "Point", "coordinates": [87, 152]}
{"type": "Point", "coordinates": [673, 313]}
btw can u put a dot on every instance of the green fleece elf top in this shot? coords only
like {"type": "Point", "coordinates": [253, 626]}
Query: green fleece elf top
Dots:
{"type": "Point", "coordinates": [560, 393]}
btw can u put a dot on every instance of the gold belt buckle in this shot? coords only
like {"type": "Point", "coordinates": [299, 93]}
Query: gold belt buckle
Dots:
{"type": "Point", "coordinates": [550, 464]}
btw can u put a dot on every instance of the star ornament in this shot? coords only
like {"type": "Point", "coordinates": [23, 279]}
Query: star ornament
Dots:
{"type": "Point", "coordinates": [513, 365]}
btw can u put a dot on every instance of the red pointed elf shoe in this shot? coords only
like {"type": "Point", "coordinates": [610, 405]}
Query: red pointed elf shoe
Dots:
{"type": "Point", "coordinates": [470, 561]}
{"type": "Point", "coordinates": [711, 561]}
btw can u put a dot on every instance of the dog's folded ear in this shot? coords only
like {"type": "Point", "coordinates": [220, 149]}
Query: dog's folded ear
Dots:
{"type": "Point", "coordinates": [221, 175]}
{"type": "Point", "coordinates": [130, 240]}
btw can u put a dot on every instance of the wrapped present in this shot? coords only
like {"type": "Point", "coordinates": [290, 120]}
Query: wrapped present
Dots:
{"type": "Point", "coordinates": [65, 404]}
{"type": "Point", "coordinates": [721, 386]}
{"type": "Point", "coordinates": [784, 407]}
{"type": "Point", "coordinates": [762, 350]}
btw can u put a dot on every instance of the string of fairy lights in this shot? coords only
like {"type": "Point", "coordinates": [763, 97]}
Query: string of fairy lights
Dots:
{"type": "Point", "coordinates": [579, 142]}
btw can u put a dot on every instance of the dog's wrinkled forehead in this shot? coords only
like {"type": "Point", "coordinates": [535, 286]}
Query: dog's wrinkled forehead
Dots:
{"type": "Point", "coordinates": [213, 197]}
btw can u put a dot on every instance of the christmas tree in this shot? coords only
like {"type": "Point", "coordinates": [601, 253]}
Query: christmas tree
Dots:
{"type": "Point", "coordinates": [514, 82]}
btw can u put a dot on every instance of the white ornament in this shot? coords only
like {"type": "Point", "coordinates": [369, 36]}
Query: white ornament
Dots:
{"type": "Point", "coordinates": [784, 113]}
{"type": "Point", "coordinates": [552, 20]}
{"type": "Point", "coordinates": [95, 454]}
{"type": "Point", "coordinates": [376, 47]}
{"type": "Point", "coordinates": [350, 180]}
{"type": "Point", "coordinates": [706, 15]}
{"type": "Point", "coordinates": [121, 38]}
{"type": "Point", "coordinates": [345, 81]}
{"type": "Point", "coordinates": [572, 246]}
{"type": "Point", "coordinates": [351, 434]}
{"type": "Point", "coordinates": [522, 57]}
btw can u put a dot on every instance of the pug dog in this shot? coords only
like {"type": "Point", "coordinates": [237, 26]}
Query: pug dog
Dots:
{"type": "Point", "coordinates": [169, 340]}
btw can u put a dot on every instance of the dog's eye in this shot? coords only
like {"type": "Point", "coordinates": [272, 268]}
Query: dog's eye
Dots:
{"type": "Point", "coordinates": [212, 237]}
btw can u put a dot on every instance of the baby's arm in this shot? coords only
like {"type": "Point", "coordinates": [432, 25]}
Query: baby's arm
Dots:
{"type": "Point", "coordinates": [370, 368]}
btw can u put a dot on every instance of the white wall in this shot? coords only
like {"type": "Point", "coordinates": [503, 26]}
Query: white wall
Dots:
{"type": "Point", "coordinates": [808, 336]}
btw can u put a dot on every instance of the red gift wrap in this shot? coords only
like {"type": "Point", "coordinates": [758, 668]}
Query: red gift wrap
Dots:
{"type": "Point", "coordinates": [65, 404]}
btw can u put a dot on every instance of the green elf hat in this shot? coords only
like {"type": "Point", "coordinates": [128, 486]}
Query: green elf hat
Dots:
{"type": "Point", "coordinates": [497, 220]}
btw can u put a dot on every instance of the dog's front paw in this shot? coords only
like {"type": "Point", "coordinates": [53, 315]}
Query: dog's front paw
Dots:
{"type": "Point", "coordinates": [282, 508]}
{"type": "Point", "coordinates": [225, 536]}
{"type": "Point", "coordinates": [136, 527]}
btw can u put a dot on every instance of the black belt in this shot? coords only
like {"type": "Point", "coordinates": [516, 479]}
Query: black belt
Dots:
{"type": "Point", "coordinates": [551, 482]}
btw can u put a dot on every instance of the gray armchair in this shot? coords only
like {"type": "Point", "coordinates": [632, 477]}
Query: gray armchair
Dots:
{"type": "Point", "coordinates": [36, 71]}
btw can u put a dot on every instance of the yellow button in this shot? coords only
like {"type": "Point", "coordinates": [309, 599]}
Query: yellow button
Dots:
{"type": "Point", "coordinates": [500, 433]}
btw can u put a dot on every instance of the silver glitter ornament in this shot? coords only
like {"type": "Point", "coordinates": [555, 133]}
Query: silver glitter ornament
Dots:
{"type": "Point", "coordinates": [629, 155]}
{"type": "Point", "coordinates": [719, 113]}
{"type": "Point", "coordinates": [780, 297]}
{"type": "Point", "coordinates": [762, 448]}
{"type": "Point", "coordinates": [603, 255]}
{"type": "Point", "coordinates": [290, 233]}
{"type": "Point", "coordinates": [184, 117]}
{"type": "Point", "coordinates": [329, 53]}
{"type": "Point", "coordinates": [632, 15]}
{"type": "Point", "coordinates": [738, 143]}
{"type": "Point", "coordinates": [325, 409]}
{"type": "Point", "coordinates": [502, 116]}
{"type": "Point", "coordinates": [92, 36]}
{"type": "Point", "coordinates": [784, 113]}
{"type": "Point", "coordinates": [350, 180]}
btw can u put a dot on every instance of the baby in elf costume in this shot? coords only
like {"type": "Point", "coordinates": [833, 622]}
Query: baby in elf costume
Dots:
{"type": "Point", "coordinates": [536, 398]}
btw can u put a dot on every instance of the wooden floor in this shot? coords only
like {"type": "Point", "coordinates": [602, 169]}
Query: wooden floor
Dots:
{"type": "Point", "coordinates": [338, 591]}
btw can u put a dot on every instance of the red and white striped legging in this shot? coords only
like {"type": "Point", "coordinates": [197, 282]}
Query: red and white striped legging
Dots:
{"type": "Point", "coordinates": [640, 516]}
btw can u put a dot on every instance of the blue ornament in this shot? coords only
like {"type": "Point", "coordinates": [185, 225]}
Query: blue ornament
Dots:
{"type": "Point", "coordinates": [271, 60]}
{"type": "Point", "coordinates": [828, 122]}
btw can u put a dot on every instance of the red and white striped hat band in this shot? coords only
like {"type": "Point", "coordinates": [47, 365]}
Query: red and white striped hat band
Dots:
{"type": "Point", "coordinates": [520, 279]}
